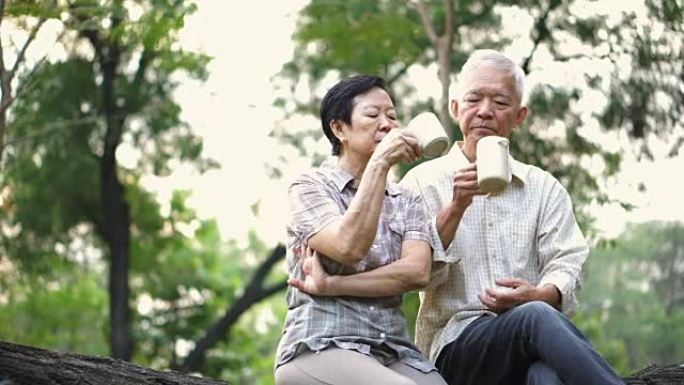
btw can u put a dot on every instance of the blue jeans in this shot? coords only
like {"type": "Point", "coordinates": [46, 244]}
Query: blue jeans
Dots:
{"type": "Point", "coordinates": [530, 344]}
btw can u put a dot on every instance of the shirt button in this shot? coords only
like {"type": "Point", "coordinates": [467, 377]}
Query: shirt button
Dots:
{"type": "Point", "coordinates": [374, 246]}
{"type": "Point", "coordinates": [382, 335]}
{"type": "Point", "coordinates": [371, 308]}
{"type": "Point", "coordinates": [490, 224]}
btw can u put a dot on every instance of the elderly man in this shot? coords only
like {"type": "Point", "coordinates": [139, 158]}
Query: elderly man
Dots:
{"type": "Point", "coordinates": [506, 266]}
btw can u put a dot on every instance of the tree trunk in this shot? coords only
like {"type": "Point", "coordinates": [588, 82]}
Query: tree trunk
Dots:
{"type": "Point", "coordinates": [115, 210]}
{"type": "Point", "coordinates": [444, 50]}
{"type": "Point", "coordinates": [116, 218]}
{"type": "Point", "coordinates": [3, 129]}
{"type": "Point", "coordinates": [443, 45]}
{"type": "Point", "coordinates": [27, 365]}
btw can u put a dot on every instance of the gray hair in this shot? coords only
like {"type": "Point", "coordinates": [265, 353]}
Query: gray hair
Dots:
{"type": "Point", "coordinates": [489, 57]}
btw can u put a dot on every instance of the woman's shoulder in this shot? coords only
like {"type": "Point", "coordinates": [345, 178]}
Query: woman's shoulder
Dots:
{"type": "Point", "coordinates": [313, 177]}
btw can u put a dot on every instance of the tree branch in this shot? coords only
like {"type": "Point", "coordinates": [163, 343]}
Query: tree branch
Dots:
{"type": "Point", "coordinates": [449, 22]}
{"type": "Point", "coordinates": [397, 75]}
{"type": "Point", "coordinates": [267, 292]}
{"type": "Point", "coordinates": [22, 53]}
{"type": "Point", "coordinates": [542, 33]}
{"type": "Point", "coordinates": [2, 56]}
{"type": "Point", "coordinates": [425, 18]}
{"type": "Point", "coordinates": [220, 330]}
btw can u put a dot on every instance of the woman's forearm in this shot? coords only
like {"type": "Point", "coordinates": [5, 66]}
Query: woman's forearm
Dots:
{"type": "Point", "coordinates": [349, 239]}
{"type": "Point", "coordinates": [411, 272]}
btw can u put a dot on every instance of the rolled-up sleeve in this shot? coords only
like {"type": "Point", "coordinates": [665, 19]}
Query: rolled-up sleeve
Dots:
{"type": "Point", "coordinates": [312, 205]}
{"type": "Point", "coordinates": [562, 248]}
{"type": "Point", "coordinates": [417, 224]}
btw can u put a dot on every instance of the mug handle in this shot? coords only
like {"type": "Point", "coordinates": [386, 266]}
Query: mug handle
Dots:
{"type": "Point", "coordinates": [504, 142]}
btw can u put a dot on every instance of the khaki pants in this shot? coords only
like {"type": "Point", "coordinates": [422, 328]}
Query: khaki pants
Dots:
{"type": "Point", "coordinates": [339, 366]}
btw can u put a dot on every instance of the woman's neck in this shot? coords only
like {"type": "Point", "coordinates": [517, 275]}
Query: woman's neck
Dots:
{"type": "Point", "coordinates": [353, 165]}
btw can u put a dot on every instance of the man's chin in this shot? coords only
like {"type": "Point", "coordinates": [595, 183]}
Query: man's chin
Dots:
{"type": "Point", "coordinates": [481, 132]}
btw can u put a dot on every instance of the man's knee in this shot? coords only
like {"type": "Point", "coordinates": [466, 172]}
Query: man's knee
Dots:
{"type": "Point", "coordinates": [540, 374]}
{"type": "Point", "coordinates": [538, 308]}
{"type": "Point", "coordinates": [537, 311]}
{"type": "Point", "coordinates": [537, 317]}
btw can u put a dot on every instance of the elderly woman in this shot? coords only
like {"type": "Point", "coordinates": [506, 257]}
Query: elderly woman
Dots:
{"type": "Point", "coordinates": [356, 242]}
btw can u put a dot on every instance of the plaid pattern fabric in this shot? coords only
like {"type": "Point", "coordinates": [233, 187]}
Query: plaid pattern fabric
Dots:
{"type": "Point", "coordinates": [528, 231]}
{"type": "Point", "coordinates": [368, 325]}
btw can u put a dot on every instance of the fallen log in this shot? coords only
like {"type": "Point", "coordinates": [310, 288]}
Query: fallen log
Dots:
{"type": "Point", "coordinates": [658, 375]}
{"type": "Point", "coordinates": [27, 365]}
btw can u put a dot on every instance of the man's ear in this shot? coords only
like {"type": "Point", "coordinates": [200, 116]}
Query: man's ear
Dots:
{"type": "Point", "coordinates": [454, 109]}
{"type": "Point", "coordinates": [522, 113]}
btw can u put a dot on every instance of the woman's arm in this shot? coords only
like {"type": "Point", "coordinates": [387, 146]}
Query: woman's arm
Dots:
{"type": "Point", "coordinates": [348, 239]}
{"type": "Point", "coordinates": [410, 272]}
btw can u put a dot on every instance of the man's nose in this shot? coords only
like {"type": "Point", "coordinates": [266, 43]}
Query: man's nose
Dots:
{"type": "Point", "coordinates": [484, 110]}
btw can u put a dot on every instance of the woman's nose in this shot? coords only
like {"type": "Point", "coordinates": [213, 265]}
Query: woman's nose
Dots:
{"type": "Point", "coordinates": [387, 124]}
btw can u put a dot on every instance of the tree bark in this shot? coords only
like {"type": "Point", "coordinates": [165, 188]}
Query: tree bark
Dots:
{"type": "Point", "coordinates": [658, 375]}
{"type": "Point", "coordinates": [21, 365]}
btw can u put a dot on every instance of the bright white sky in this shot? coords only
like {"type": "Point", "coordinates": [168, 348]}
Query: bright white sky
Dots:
{"type": "Point", "coordinates": [233, 112]}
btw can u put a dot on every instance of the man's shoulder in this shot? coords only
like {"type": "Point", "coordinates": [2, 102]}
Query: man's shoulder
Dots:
{"type": "Point", "coordinates": [534, 173]}
{"type": "Point", "coordinates": [540, 179]}
{"type": "Point", "coordinates": [430, 170]}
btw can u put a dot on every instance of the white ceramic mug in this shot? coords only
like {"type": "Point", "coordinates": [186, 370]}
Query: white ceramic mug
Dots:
{"type": "Point", "coordinates": [428, 130]}
{"type": "Point", "coordinates": [493, 168]}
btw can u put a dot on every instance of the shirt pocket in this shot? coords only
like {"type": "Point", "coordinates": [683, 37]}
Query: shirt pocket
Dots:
{"type": "Point", "coordinates": [524, 251]}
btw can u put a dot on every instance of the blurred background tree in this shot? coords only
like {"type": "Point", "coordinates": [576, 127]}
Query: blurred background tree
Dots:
{"type": "Point", "coordinates": [74, 217]}
{"type": "Point", "coordinates": [92, 262]}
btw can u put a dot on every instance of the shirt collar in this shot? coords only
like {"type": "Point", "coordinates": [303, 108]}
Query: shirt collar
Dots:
{"type": "Point", "coordinates": [517, 169]}
{"type": "Point", "coordinates": [342, 178]}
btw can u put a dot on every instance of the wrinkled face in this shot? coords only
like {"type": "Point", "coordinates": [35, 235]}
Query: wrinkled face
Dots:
{"type": "Point", "coordinates": [372, 118]}
{"type": "Point", "coordinates": [489, 106]}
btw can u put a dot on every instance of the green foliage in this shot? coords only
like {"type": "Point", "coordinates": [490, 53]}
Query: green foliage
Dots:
{"type": "Point", "coordinates": [632, 305]}
{"type": "Point", "coordinates": [40, 311]}
{"type": "Point", "coordinates": [257, 335]}
{"type": "Point", "coordinates": [646, 100]}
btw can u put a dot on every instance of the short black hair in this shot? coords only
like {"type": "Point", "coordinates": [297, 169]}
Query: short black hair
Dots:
{"type": "Point", "coordinates": [338, 102]}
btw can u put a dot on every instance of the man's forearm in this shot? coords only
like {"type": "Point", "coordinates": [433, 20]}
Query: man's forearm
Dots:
{"type": "Point", "coordinates": [448, 219]}
{"type": "Point", "coordinates": [550, 294]}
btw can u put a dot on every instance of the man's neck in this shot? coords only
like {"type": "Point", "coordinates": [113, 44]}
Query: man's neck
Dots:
{"type": "Point", "coordinates": [469, 153]}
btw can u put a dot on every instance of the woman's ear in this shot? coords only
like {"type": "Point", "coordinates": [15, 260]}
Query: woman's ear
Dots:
{"type": "Point", "coordinates": [336, 128]}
